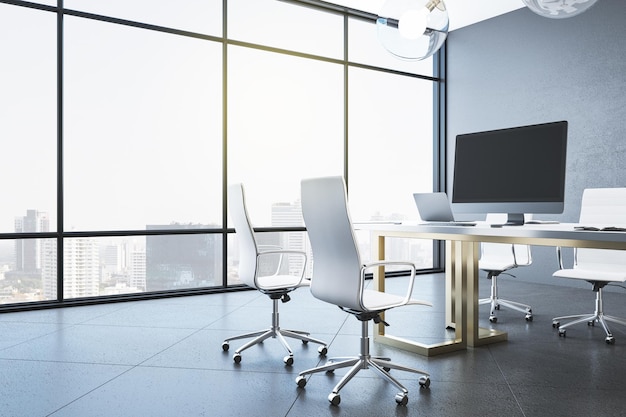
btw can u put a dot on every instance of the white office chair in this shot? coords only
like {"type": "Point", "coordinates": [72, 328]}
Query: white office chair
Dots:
{"type": "Point", "coordinates": [600, 267]}
{"type": "Point", "coordinates": [277, 286]}
{"type": "Point", "coordinates": [498, 258]}
{"type": "Point", "coordinates": [339, 279]}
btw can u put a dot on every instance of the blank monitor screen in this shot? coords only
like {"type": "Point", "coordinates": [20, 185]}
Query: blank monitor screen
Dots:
{"type": "Point", "coordinates": [515, 171]}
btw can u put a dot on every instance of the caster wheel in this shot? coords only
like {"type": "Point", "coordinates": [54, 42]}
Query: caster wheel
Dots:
{"type": "Point", "coordinates": [610, 340]}
{"type": "Point", "coordinates": [556, 324]}
{"type": "Point", "coordinates": [402, 398]}
{"type": "Point", "coordinates": [288, 360]}
{"type": "Point", "coordinates": [301, 381]}
{"type": "Point", "coordinates": [497, 307]}
{"type": "Point", "coordinates": [493, 319]}
{"type": "Point", "coordinates": [591, 323]}
{"type": "Point", "coordinates": [529, 317]}
{"type": "Point", "coordinates": [225, 346]}
{"type": "Point", "coordinates": [237, 358]}
{"type": "Point", "coordinates": [562, 333]}
{"type": "Point", "coordinates": [322, 350]}
{"type": "Point", "coordinates": [386, 369]}
{"type": "Point", "coordinates": [334, 399]}
{"type": "Point", "coordinates": [305, 342]}
{"type": "Point", "coordinates": [424, 382]}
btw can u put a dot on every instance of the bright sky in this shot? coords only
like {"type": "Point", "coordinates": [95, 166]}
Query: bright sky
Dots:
{"type": "Point", "coordinates": [132, 140]}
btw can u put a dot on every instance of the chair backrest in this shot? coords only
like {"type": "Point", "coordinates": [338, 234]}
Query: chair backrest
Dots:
{"type": "Point", "coordinates": [248, 248]}
{"type": "Point", "coordinates": [607, 207]}
{"type": "Point", "coordinates": [336, 275]}
{"type": "Point", "coordinates": [505, 253]}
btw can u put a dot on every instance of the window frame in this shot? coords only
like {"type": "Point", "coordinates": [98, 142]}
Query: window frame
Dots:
{"type": "Point", "coordinates": [439, 147]}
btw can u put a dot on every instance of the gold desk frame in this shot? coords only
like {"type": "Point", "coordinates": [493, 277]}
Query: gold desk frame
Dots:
{"type": "Point", "coordinates": [461, 272]}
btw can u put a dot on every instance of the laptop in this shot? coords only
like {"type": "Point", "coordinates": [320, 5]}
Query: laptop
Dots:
{"type": "Point", "coordinates": [434, 209]}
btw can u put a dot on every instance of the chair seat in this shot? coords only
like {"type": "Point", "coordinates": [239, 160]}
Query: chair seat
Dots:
{"type": "Point", "coordinates": [274, 282]}
{"type": "Point", "coordinates": [591, 274]}
{"type": "Point", "coordinates": [495, 266]}
{"type": "Point", "coordinates": [375, 300]}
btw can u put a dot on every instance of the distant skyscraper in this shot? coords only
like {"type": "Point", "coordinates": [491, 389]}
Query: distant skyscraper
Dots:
{"type": "Point", "coordinates": [111, 258]}
{"type": "Point", "coordinates": [49, 269]}
{"type": "Point", "coordinates": [81, 268]}
{"type": "Point", "coordinates": [138, 269]}
{"type": "Point", "coordinates": [28, 255]}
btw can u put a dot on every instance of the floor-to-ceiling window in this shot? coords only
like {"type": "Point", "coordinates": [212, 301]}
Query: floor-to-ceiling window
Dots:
{"type": "Point", "coordinates": [123, 123]}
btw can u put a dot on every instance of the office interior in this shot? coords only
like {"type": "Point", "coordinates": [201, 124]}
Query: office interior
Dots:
{"type": "Point", "coordinates": [148, 358]}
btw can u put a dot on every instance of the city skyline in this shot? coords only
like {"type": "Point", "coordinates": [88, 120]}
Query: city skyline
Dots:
{"type": "Point", "coordinates": [96, 266]}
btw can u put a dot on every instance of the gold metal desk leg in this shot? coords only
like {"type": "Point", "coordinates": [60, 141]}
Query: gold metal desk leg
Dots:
{"type": "Point", "coordinates": [460, 340]}
{"type": "Point", "coordinates": [476, 336]}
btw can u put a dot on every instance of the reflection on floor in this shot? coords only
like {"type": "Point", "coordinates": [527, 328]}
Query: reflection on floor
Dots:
{"type": "Point", "coordinates": [164, 358]}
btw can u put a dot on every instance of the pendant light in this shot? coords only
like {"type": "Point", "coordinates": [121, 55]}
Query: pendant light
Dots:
{"type": "Point", "coordinates": [412, 29]}
{"type": "Point", "coordinates": [559, 9]}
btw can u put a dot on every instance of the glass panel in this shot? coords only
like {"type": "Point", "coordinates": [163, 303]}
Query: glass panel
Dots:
{"type": "Point", "coordinates": [288, 265]}
{"type": "Point", "coordinates": [364, 48]}
{"type": "Point", "coordinates": [394, 135]}
{"type": "Point", "coordinates": [25, 270]}
{"type": "Point", "coordinates": [122, 265]}
{"type": "Point", "coordinates": [143, 128]}
{"type": "Point", "coordinates": [287, 26]}
{"type": "Point", "coordinates": [285, 124]}
{"type": "Point", "coordinates": [390, 146]}
{"type": "Point", "coordinates": [28, 107]}
{"type": "Point", "coordinates": [183, 261]}
{"type": "Point", "coordinates": [126, 265]}
{"type": "Point", "coordinates": [104, 266]}
{"type": "Point", "coordinates": [201, 16]}
{"type": "Point", "coordinates": [420, 252]}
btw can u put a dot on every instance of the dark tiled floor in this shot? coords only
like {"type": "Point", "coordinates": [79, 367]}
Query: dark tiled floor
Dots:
{"type": "Point", "coordinates": [164, 358]}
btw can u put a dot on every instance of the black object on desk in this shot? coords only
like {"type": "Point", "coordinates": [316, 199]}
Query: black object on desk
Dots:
{"type": "Point", "coordinates": [601, 229]}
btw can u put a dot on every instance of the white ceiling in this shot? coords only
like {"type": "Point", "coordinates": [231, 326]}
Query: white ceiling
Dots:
{"type": "Point", "coordinates": [461, 12]}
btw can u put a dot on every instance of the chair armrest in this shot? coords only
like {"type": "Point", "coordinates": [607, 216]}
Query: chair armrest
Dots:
{"type": "Point", "coordinates": [266, 249]}
{"type": "Point", "coordinates": [375, 264]}
{"type": "Point", "coordinates": [280, 253]}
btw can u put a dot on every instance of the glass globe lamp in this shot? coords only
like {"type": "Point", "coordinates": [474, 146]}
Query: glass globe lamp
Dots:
{"type": "Point", "coordinates": [412, 29]}
{"type": "Point", "coordinates": [559, 9]}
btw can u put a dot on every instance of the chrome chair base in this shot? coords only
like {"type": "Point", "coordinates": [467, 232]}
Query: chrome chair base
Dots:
{"type": "Point", "coordinates": [380, 365]}
{"type": "Point", "coordinates": [496, 302]}
{"type": "Point", "coordinates": [277, 333]}
{"type": "Point", "coordinates": [597, 316]}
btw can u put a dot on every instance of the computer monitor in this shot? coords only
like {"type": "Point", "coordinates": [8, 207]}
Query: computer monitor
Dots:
{"type": "Point", "coordinates": [515, 171]}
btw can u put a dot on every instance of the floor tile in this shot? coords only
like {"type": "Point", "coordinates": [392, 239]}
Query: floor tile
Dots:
{"type": "Point", "coordinates": [164, 358]}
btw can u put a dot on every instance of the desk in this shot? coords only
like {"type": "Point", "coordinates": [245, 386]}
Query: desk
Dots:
{"type": "Point", "coordinates": [461, 270]}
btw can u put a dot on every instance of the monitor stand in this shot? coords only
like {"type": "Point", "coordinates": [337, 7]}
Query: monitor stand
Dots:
{"type": "Point", "coordinates": [515, 219]}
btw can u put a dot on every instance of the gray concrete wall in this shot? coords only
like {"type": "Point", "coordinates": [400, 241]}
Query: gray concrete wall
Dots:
{"type": "Point", "coordinates": [521, 68]}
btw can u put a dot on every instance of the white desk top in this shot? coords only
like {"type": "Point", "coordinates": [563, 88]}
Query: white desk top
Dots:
{"type": "Point", "coordinates": [560, 234]}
